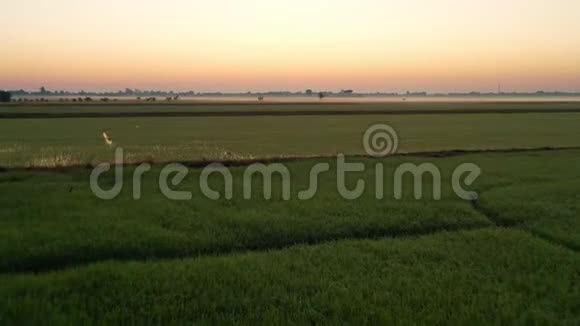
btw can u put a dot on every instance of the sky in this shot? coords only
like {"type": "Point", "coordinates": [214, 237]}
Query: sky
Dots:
{"type": "Point", "coordinates": [260, 45]}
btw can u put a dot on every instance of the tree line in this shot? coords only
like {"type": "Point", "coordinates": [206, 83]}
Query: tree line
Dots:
{"type": "Point", "coordinates": [5, 96]}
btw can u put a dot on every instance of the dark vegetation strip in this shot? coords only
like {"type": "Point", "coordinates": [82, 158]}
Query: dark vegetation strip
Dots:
{"type": "Point", "coordinates": [497, 219]}
{"type": "Point", "coordinates": [493, 216]}
{"type": "Point", "coordinates": [184, 114]}
{"type": "Point", "coordinates": [253, 103]}
{"type": "Point", "coordinates": [288, 158]}
{"type": "Point", "coordinates": [369, 234]}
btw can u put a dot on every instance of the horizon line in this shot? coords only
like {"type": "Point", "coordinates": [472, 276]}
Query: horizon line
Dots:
{"type": "Point", "coordinates": [345, 92]}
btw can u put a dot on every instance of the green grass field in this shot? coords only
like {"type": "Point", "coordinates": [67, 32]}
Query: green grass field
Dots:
{"type": "Point", "coordinates": [509, 257]}
{"type": "Point", "coordinates": [493, 276]}
{"type": "Point", "coordinates": [61, 142]}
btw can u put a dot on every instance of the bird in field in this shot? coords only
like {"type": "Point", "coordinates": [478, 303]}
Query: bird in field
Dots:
{"type": "Point", "coordinates": [107, 139]}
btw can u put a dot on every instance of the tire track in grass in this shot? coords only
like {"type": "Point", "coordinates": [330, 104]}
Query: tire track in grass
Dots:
{"type": "Point", "coordinates": [492, 216]}
{"type": "Point", "coordinates": [369, 235]}
{"type": "Point", "coordinates": [496, 218]}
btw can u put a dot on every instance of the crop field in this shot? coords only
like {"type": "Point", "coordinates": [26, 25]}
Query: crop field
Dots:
{"type": "Point", "coordinates": [42, 142]}
{"type": "Point", "coordinates": [507, 256]}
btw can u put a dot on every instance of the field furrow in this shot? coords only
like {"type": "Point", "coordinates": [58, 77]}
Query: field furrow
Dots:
{"type": "Point", "coordinates": [495, 276]}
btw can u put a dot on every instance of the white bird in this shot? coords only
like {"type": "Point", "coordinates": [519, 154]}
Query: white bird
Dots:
{"type": "Point", "coordinates": [108, 140]}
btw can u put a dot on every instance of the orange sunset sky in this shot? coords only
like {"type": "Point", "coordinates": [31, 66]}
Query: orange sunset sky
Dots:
{"type": "Point", "coordinates": [366, 45]}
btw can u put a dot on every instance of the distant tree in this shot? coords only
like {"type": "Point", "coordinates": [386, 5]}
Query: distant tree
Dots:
{"type": "Point", "coordinates": [309, 92]}
{"type": "Point", "coordinates": [176, 97]}
{"type": "Point", "coordinates": [260, 98]}
{"type": "Point", "coordinates": [321, 95]}
{"type": "Point", "coordinates": [169, 98]}
{"type": "Point", "coordinates": [5, 96]}
{"type": "Point", "coordinates": [88, 99]}
{"type": "Point", "coordinates": [138, 98]}
{"type": "Point", "coordinates": [43, 90]}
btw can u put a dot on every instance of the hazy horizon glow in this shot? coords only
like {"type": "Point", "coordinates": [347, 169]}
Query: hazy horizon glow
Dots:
{"type": "Point", "coordinates": [366, 45]}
